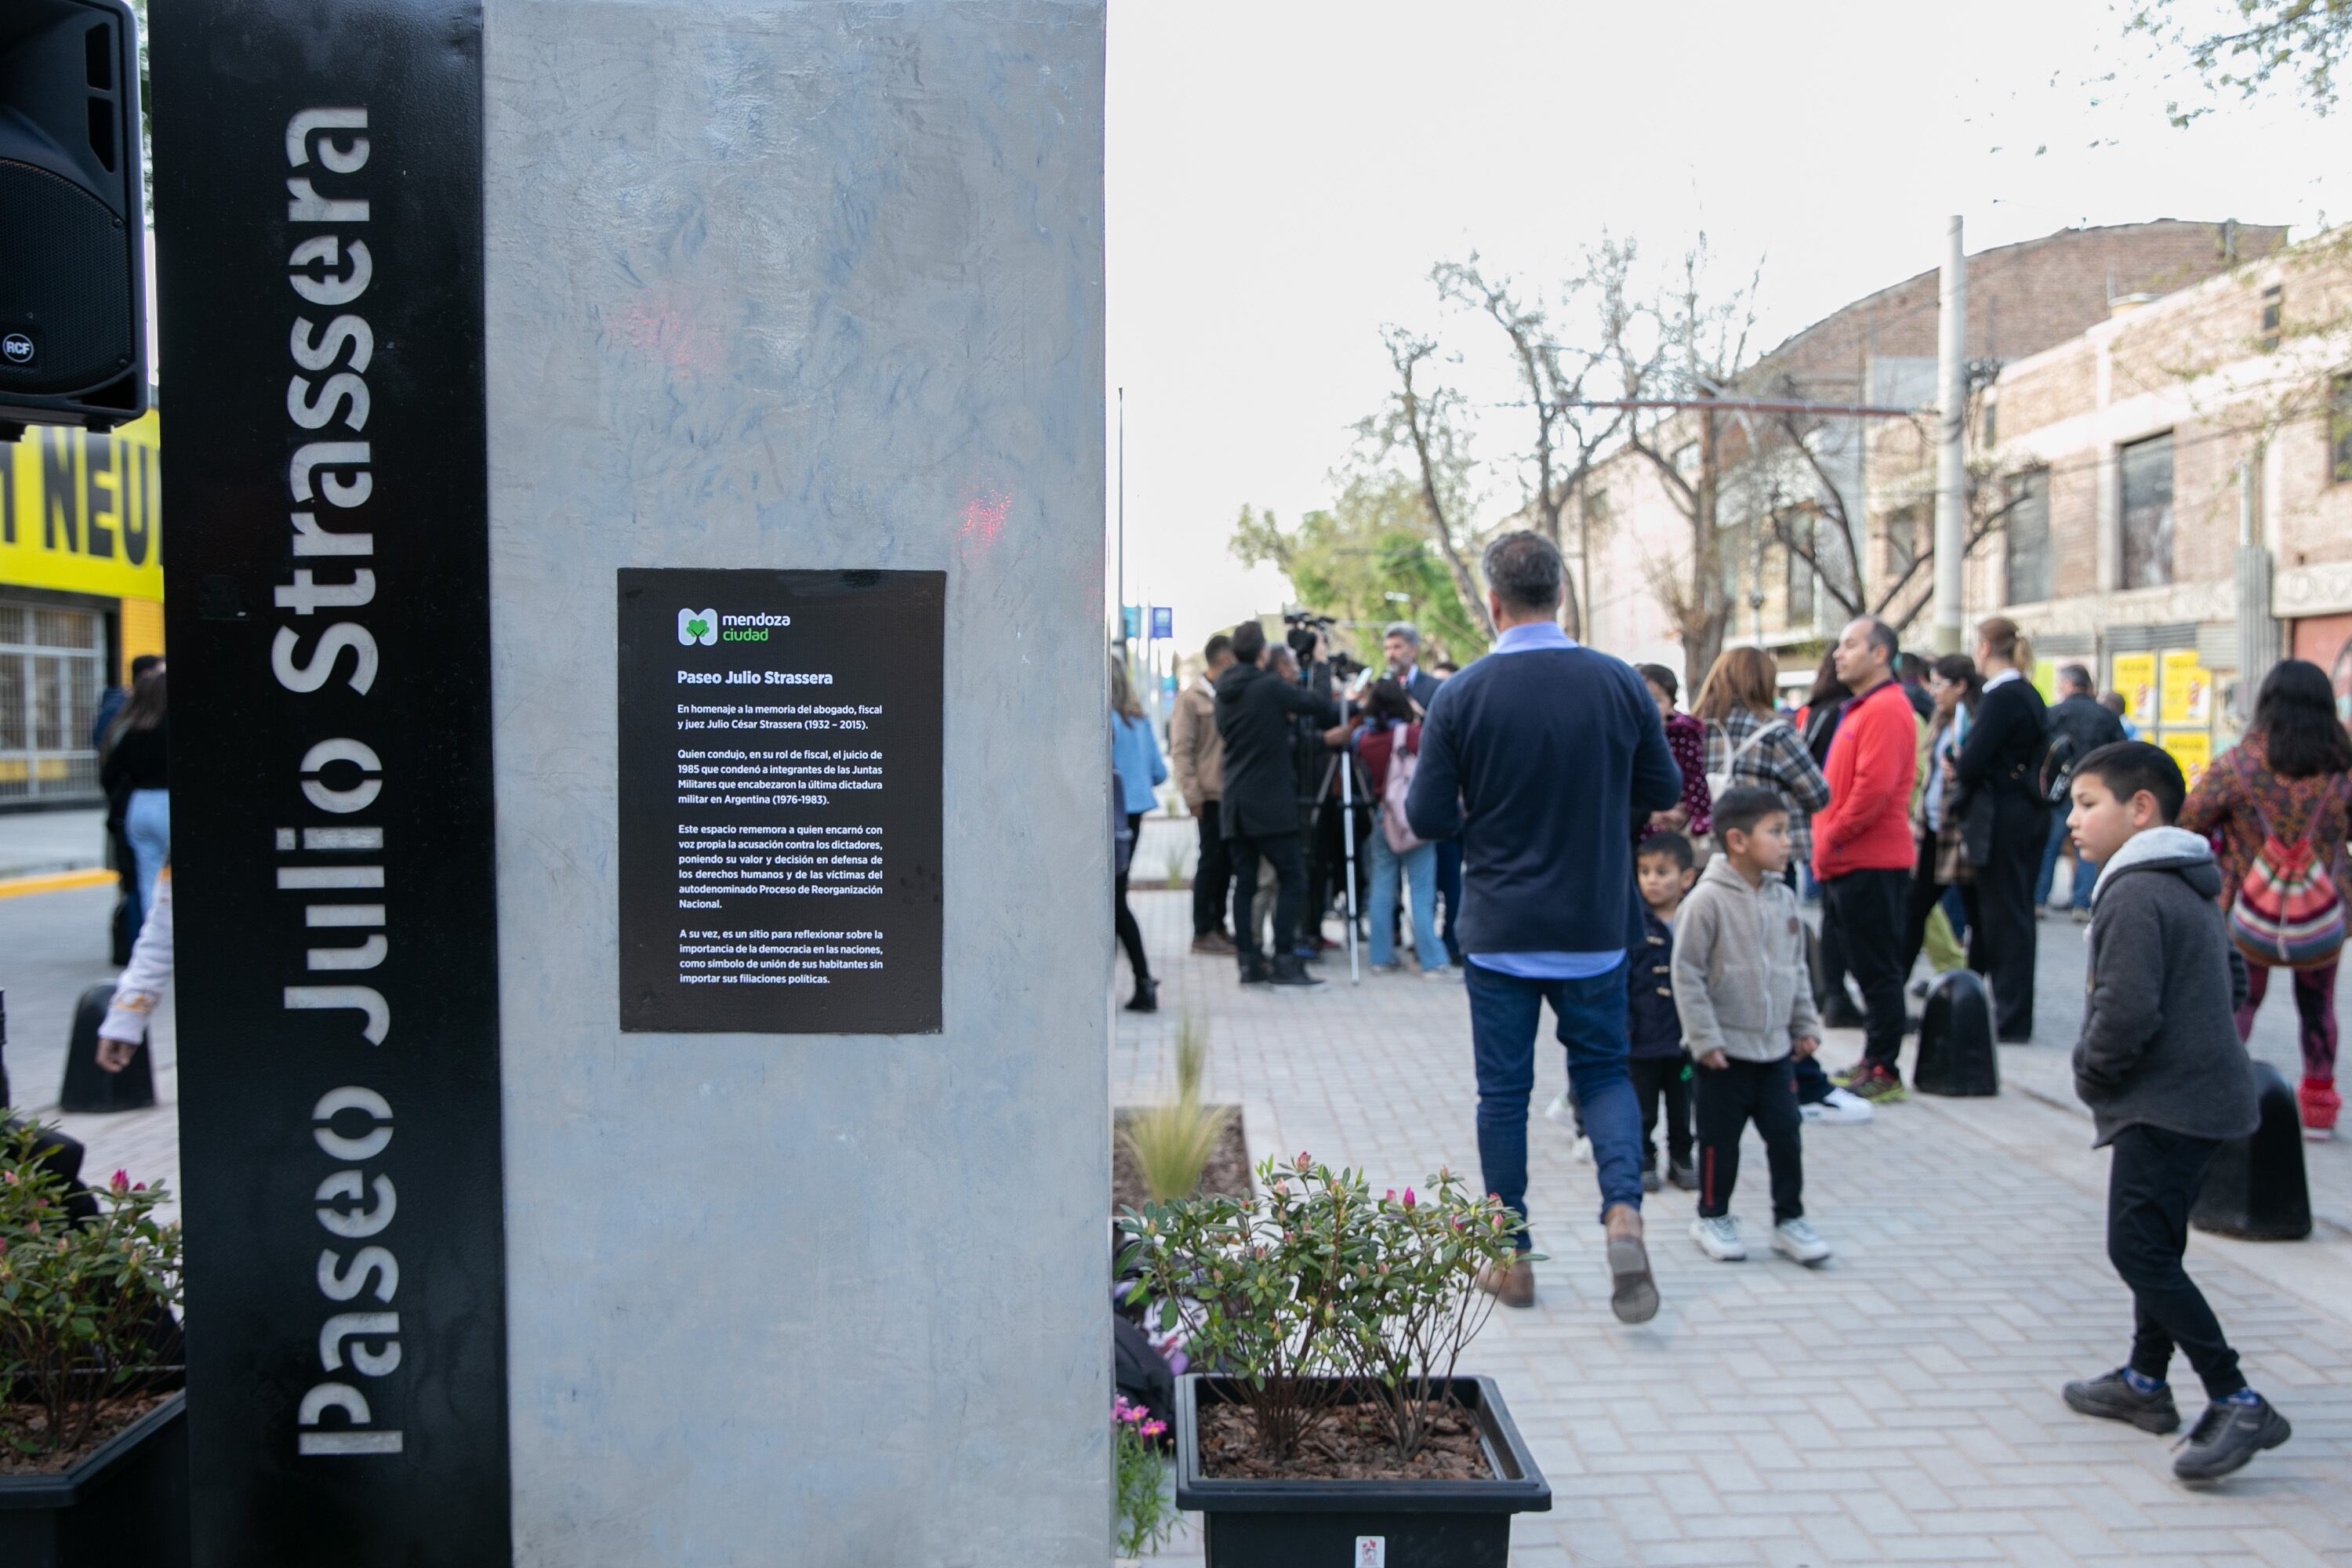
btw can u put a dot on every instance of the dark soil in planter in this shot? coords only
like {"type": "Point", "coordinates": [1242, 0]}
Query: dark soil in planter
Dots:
{"type": "Point", "coordinates": [1350, 1443]}
{"type": "Point", "coordinates": [1226, 1173]}
{"type": "Point", "coordinates": [28, 1424]}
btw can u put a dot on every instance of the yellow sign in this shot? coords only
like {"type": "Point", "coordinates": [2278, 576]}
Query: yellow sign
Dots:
{"type": "Point", "coordinates": [79, 510]}
{"type": "Point", "coordinates": [2192, 749]}
{"type": "Point", "coordinates": [2188, 690]}
{"type": "Point", "coordinates": [2136, 679]}
{"type": "Point", "coordinates": [2045, 678]}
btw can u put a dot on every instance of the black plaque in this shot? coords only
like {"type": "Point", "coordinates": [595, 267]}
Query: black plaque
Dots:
{"type": "Point", "coordinates": [318, 206]}
{"type": "Point", "coordinates": [779, 761]}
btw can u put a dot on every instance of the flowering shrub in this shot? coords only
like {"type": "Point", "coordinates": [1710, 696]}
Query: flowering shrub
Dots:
{"type": "Point", "coordinates": [1312, 1292]}
{"type": "Point", "coordinates": [1146, 1516]}
{"type": "Point", "coordinates": [80, 1299]}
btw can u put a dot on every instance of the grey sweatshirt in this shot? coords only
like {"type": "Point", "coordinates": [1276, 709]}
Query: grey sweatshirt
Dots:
{"type": "Point", "coordinates": [2159, 1047]}
{"type": "Point", "coordinates": [1739, 967]}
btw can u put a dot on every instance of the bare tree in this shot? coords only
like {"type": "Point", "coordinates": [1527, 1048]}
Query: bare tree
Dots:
{"type": "Point", "coordinates": [1685, 348]}
{"type": "Point", "coordinates": [1568, 435]}
{"type": "Point", "coordinates": [1426, 421]}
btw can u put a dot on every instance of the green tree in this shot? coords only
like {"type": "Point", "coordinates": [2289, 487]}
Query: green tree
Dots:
{"type": "Point", "coordinates": [1365, 561]}
{"type": "Point", "coordinates": [2241, 45]}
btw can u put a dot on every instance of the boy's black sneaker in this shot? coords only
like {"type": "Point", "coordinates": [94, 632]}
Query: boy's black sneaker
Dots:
{"type": "Point", "coordinates": [1682, 1175]}
{"type": "Point", "coordinates": [1253, 970]}
{"type": "Point", "coordinates": [1292, 971]}
{"type": "Point", "coordinates": [2113, 1397]}
{"type": "Point", "coordinates": [2226, 1436]}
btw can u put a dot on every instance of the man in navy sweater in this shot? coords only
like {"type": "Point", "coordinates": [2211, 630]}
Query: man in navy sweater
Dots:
{"type": "Point", "coordinates": [1542, 757]}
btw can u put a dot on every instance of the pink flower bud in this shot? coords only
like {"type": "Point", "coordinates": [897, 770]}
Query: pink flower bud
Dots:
{"type": "Point", "coordinates": [121, 1182]}
{"type": "Point", "coordinates": [1408, 1197]}
{"type": "Point", "coordinates": [138, 1186]}
{"type": "Point", "coordinates": [1389, 1196]}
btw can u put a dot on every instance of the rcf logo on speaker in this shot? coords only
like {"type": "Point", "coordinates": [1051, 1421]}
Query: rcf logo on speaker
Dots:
{"type": "Point", "coordinates": [17, 349]}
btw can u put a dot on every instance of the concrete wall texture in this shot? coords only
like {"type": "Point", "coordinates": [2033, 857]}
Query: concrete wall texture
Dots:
{"type": "Point", "coordinates": [809, 285]}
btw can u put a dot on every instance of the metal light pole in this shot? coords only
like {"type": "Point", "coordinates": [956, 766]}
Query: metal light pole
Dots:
{"type": "Point", "coordinates": [1119, 609]}
{"type": "Point", "coordinates": [1951, 459]}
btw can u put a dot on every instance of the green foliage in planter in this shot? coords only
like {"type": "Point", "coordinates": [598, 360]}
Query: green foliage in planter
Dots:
{"type": "Point", "coordinates": [78, 1301]}
{"type": "Point", "coordinates": [1312, 1292]}
{"type": "Point", "coordinates": [1147, 1514]}
{"type": "Point", "coordinates": [1172, 1143]}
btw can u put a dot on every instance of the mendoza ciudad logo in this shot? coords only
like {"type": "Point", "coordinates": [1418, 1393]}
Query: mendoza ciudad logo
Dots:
{"type": "Point", "coordinates": [705, 627]}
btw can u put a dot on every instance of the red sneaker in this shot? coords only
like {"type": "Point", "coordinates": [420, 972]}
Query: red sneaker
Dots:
{"type": "Point", "coordinates": [2319, 1102]}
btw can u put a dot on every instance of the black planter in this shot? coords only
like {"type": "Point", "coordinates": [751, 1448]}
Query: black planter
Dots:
{"type": "Point", "coordinates": [1419, 1524]}
{"type": "Point", "coordinates": [125, 1506]}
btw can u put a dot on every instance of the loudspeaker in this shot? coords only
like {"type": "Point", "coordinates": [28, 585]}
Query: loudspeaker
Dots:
{"type": "Point", "coordinates": [73, 249]}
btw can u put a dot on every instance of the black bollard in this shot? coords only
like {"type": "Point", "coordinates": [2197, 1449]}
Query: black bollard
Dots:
{"type": "Point", "coordinates": [2254, 1189]}
{"type": "Point", "coordinates": [1955, 1051]}
{"type": "Point", "coordinates": [90, 1087]}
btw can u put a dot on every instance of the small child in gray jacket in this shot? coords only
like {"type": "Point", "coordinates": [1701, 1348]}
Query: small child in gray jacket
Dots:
{"type": "Point", "coordinates": [2161, 1069]}
{"type": "Point", "coordinates": [1746, 1013]}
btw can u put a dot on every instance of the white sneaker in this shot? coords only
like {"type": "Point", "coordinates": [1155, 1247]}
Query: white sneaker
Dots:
{"type": "Point", "coordinates": [1442, 973]}
{"type": "Point", "coordinates": [1796, 1238]}
{"type": "Point", "coordinates": [1719, 1239]}
{"type": "Point", "coordinates": [1841, 1108]}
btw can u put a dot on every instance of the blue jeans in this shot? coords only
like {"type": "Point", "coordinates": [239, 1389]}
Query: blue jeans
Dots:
{"type": "Point", "coordinates": [147, 826]}
{"type": "Point", "coordinates": [2085, 872]}
{"type": "Point", "coordinates": [1503, 1013]}
{"type": "Point", "coordinates": [1417, 869]}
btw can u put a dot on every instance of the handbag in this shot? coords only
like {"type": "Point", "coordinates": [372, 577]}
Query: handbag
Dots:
{"type": "Point", "coordinates": [2289, 913]}
{"type": "Point", "coordinates": [1394, 789]}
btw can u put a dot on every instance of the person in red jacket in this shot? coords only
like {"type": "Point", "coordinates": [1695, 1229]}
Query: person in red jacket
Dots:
{"type": "Point", "coordinates": [1862, 849]}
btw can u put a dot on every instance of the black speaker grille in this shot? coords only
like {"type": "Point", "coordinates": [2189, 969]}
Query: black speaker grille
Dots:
{"type": "Point", "coordinates": [65, 285]}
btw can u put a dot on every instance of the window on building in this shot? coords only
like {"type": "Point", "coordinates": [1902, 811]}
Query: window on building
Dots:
{"type": "Point", "coordinates": [2339, 428]}
{"type": "Point", "coordinates": [2274, 301]}
{"type": "Point", "coordinates": [1801, 572]}
{"type": "Point", "coordinates": [2146, 512]}
{"type": "Point", "coordinates": [1901, 541]}
{"type": "Point", "coordinates": [2028, 528]}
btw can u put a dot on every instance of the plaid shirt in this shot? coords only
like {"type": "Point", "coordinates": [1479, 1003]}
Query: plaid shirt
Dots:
{"type": "Point", "coordinates": [1781, 764]}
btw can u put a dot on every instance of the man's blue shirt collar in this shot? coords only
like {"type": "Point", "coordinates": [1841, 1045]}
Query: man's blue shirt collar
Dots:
{"type": "Point", "coordinates": [1532, 636]}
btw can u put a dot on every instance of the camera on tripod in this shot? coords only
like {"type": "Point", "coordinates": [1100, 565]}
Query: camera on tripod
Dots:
{"type": "Point", "coordinates": [1304, 625]}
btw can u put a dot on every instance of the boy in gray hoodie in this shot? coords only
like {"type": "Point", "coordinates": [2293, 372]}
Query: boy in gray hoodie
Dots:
{"type": "Point", "coordinates": [1746, 1013]}
{"type": "Point", "coordinates": [2160, 1067]}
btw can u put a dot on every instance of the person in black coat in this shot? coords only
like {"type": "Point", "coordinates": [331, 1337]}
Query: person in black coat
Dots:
{"type": "Point", "coordinates": [1259, 812]}
{"type": "Point", "coordinates": [2078, 726]}
{"type": "Point", "coordinates": [2003, 824]}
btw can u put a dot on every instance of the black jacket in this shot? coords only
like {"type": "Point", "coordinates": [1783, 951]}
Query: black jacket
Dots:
{"type": "Point", "coordinates": [1255, 710]}
{"type": "Point", "coordinates": [2159, 1045]}
{"type": "Point", "coordinates": [2000, 768]}
{"type": "Point", "coordinates": [139, 759]}
{"type": "Point", "coordinates": [2086, 725]}
{"type": "Point", "coordinates": [1652, 1024]}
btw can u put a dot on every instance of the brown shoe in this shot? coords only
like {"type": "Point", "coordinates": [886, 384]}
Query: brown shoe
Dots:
{"type": "Point", "coordinates": [1216, 941]}
{"type": "Point", "coordinates": [1514, 1287]}
{"type": "Point", "coordinates": [1633, 1294]}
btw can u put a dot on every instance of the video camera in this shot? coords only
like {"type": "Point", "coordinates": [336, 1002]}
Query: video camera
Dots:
{"type": "Point", "coordinates": [1304, 625]}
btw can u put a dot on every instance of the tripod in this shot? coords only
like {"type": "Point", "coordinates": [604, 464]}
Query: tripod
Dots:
{"type": "Point", "coordinates": [1352, 786]}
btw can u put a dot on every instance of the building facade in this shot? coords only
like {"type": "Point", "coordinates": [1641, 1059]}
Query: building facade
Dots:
{"type": "Point", "coordinates": [82, 595]}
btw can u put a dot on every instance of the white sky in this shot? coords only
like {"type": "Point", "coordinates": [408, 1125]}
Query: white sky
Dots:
{"type": "Point", "coordinates": [1281, 175]}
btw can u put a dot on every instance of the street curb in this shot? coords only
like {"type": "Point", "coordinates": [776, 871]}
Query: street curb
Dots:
{"type": "Point", "coordinates": [55, 882]}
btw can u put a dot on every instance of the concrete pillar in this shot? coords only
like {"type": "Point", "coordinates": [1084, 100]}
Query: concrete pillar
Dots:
{"type": "Point", "coordinates": [804, 285]}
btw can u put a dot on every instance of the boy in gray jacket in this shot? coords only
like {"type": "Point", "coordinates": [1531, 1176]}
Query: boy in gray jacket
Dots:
{"type": "Point", "coordinates": [2160, 1067]}
{"type": "Point", "coordinates": [1746, 1013]}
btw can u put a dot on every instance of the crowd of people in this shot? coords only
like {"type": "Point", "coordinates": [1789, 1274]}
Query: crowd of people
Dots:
{"type": "Point", "coordinates": [1643, 871]}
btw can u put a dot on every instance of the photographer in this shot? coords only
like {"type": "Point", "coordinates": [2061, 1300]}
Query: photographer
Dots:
{"type": "Point", "coordinates": [1255, 712]}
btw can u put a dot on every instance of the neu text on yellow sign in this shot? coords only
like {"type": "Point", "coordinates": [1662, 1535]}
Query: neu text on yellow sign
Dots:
{"type": "Point", "coordinates": [79, 513]}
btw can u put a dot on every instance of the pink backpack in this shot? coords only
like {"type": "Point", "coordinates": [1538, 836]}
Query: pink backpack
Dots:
{"type": "Point", "coordinates": [1396, 787]}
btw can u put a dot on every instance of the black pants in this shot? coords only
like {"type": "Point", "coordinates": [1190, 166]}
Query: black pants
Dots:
{"type": "Point", "coordinates": [1280, 851]}
{"type": "Point", "coordinates": [1449, 894]}
{"type": "Point", "coordinates": [1130, 935]}
{"type": "Point", "coordinates": [1212, 874]}
{"type": "Point", "coordinates": [1729, 1097]}
{"type": "Point", "coordinates": [2002, 936]}
{"type": "Point", "coordinates": [1667, 1078]}
{"type": "Point", "coordinates": [1866, 907]}
{"type": "Point", "coordinates": [2151, 1187]}
{"type": "Point", "coordinates": [1926, 894]}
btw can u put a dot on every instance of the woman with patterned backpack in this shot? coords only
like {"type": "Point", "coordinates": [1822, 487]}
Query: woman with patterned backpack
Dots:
{"type": "Point", "coordinates": [2279, 805]}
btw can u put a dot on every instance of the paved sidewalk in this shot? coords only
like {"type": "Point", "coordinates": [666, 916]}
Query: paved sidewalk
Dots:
{"type": "Point", "coordinates": [1900, 1404]}
{"type": "Point", "coordinates": [32, 842]}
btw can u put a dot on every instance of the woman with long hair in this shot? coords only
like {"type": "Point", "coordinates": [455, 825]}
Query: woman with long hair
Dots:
{"type": "Point", "coordinates": [1137, 772]}
{"type": "Point", "coordinates": [1817, 721]}
{"type": "Point", "coordinates": [2286, 779]}
{"type": "Point", "coordinates": [1388, 733]}
{"type": "Point", "coordinates": [1953, 689]}
{"type": "Point", "coordinates": [2004, 823]}
{"type": "Point", "coordinates": [138, 765]}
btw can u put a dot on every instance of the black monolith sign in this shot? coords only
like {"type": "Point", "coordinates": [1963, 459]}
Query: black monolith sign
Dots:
{"type": "Point", "coordinates": [780, 758]}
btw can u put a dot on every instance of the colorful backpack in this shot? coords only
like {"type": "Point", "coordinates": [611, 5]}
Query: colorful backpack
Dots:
{"type": "Point", "coordinates": [2289, 913]}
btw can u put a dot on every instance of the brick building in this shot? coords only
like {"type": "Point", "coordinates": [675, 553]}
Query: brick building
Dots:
{"type": "Point", "coordinates": [2037, 312]}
